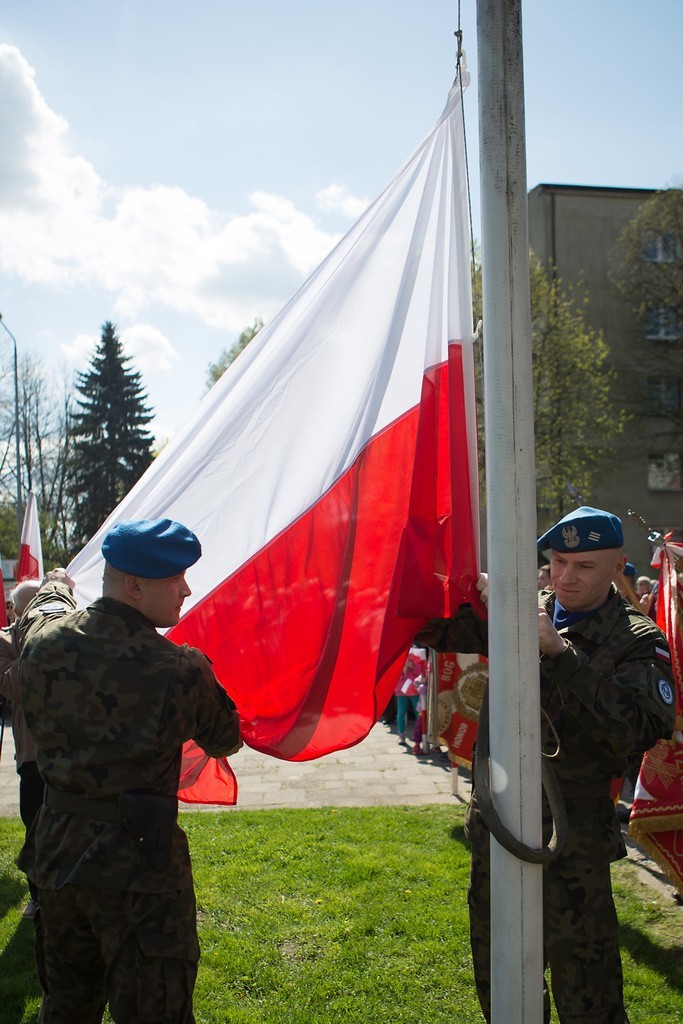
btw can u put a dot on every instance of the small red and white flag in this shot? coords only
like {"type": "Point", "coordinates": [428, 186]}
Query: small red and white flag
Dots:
{"type": "Point", "coordinates": [331, 474]}
{"type": "Point", "coordinates": [30, 562]}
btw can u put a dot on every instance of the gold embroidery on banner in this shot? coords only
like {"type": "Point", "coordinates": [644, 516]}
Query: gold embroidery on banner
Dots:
{"type": "Point", "coordinates": [468, 692]}
{"type": "Point", "coordinates": [658, 766]}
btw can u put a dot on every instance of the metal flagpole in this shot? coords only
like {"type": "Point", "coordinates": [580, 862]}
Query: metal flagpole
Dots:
{"type": "Point", "coordinates": [17, 435]}
{"type": "Point", "coordinates": [516, 887]}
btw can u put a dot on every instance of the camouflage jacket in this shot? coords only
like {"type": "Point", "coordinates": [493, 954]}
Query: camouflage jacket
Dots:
{"type": "Point", "coordinates": [609, 696]}
{"type": "Point", "coordinates": [24, 749]}
{"type": "Point", "coordinates": [109, 702]}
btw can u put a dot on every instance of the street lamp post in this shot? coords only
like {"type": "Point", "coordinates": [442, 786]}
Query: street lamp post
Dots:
{"type": "Point", "coordinates": [20, 512]}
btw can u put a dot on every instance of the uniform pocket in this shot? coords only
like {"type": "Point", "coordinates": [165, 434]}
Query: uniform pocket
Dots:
{"type": "Point", "coordinates": [166, 974]}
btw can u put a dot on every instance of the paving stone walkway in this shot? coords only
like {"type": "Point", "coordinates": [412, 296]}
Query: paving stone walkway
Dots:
{"type": "Point", "coordinates": [379, 771]}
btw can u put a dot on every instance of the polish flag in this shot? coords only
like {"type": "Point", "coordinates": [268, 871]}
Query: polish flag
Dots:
{"type": "Point", "coordinates": [331, 473]}
{"type": "Point", "coordinates": [30, 562]}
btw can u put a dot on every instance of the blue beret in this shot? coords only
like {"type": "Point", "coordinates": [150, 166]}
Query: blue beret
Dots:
{"type": "Point", "coordinates": [151, 548]}
{"type": "Point", "coordinates": [629, 569]}
{"type": "Point", "coordinates": [584, 529]}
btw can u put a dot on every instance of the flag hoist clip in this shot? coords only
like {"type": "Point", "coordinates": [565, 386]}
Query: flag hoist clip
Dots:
{"type": "Point", "coordinates": [460, 58]}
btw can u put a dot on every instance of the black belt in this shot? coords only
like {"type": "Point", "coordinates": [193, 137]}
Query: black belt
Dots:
{"type": "Point", "coordinates": [82, 807]}
{"type": "Point", "coordinates": [580, 791]}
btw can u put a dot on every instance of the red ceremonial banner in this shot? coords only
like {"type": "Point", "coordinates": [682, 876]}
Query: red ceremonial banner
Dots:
{"type": "Point", "coordinates": [461, 680]}
{"type": "Point", "coordinates": [657, 814]}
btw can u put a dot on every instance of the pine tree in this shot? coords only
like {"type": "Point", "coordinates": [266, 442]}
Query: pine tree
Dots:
{"type": "Point", "coordinates": [110, 443]}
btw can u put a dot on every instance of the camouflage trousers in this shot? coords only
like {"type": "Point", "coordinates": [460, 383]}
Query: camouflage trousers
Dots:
{"type": "Point", "coordinates": [580, 932]}
{"type": "Point", "coordinates": [137, 951]}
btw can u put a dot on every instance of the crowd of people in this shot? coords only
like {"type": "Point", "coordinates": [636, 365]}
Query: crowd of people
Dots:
{"type": "Point", "coordinates": [104, 704]}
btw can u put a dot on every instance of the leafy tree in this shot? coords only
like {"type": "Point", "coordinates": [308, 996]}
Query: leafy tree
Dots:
{"type": "Point", "coordinates": [229, 355]}
{"type": "Point", "coordinates": [46, 440]}
{"type": "Point", "coordinates": [576, 417]}
{"type": "Point", "coordinates": [572, 384]}
{"type": "Point", "coordinates": [646, 265]}
{"type": "Point", "coordinates": [9, 536]}
{"type": "Point", "coordinates": [44, 444]}
{"type": "Point", "coordinates": [8, 459]}
{"type": "Point", "coordinates": [111, 447]}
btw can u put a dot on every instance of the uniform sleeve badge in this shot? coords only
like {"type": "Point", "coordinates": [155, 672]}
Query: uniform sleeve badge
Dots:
{"type": "Point", "coordinates": [665, 691]}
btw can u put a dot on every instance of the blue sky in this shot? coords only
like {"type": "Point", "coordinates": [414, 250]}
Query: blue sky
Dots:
{"type": "Point", "coordinates": [180, 169]}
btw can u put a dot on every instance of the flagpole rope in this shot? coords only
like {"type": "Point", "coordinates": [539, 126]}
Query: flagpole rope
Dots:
{"type": "Point", "coordinates": [458, 66]}
{"type": "Point", "coordinates": [501, 833]}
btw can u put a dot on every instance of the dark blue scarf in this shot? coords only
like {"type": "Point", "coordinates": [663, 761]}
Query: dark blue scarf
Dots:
{"type": "Point", "coordinates": [562, 618]}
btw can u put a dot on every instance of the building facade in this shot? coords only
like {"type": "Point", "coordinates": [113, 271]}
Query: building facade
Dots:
{"type": "Point", "coordinates": [576, 227]}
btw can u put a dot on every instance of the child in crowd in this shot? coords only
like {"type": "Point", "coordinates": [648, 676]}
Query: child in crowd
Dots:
{"type": "Point", "coordinates": [406, 689]}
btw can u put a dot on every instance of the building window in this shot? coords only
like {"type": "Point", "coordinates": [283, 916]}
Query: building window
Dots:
{"type": "Point", "coordinates": [663, 325]}
{"type": "Point", "coordinates": [664, 472]}
{"type": "Point", "coordinates": [664, 394]}
{"type": "Point", "coordinates": [661, 248]}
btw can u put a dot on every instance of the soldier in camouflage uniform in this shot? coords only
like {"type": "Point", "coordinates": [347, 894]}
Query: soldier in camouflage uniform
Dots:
{"type": "Point", "coordinates": [109, 702]}
{"type": "Point", "coordinates": [608, 695]}
{"type": "Point", "coordinates": [30, 783]}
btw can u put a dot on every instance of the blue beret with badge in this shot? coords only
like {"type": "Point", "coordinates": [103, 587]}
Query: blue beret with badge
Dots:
{"type": "Point", "coordinates": [151, 548]}
{"type": "Point", "coordinates": [584, 529]}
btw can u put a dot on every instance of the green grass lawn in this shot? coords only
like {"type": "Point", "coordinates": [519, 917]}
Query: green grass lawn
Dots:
{"type": "Point", "coordinates": [343, 915]}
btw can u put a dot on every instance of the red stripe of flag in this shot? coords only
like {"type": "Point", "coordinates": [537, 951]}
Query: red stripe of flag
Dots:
{"type": "Point", "coordinates": [317, 623]}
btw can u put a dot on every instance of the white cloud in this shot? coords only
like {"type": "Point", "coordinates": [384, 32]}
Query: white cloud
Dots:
{"type": "Point", "coordinates": [49, 199]}
{"type": "Point", "coordinates": [61, 225]}
{"type": "Point", "coordinates": [338, 199]}
{"type": "Point", "coordinates": [150, 349]}
{"type": "Point", "coordinates": [79, 351]}
{"type": "Point", "coordinates": [295, 233]}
